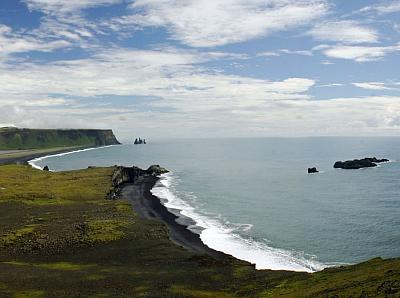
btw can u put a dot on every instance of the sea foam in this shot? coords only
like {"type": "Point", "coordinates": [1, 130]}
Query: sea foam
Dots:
{"type": "Point", "coordinates": [223, 236]}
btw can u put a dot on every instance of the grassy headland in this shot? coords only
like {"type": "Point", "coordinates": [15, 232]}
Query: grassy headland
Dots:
{"type": "Point", "coordinates": [61, 237]}
{"type": "Point", "coordinates": [22, 138]}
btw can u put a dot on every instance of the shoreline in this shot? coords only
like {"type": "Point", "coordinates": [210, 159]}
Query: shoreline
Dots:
{"type": "Point", "coordinates": [139, 194]}
{"type": "Point", "coordinates": [149, 206]}
{"type": "Point", "coordinates": [99, 247]}
{"type": "Point", "coordinates": [19, 157]}
{"type": "Point", "coordinates": [55, 154]}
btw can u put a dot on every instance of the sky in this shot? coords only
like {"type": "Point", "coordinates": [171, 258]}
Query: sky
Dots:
{"type": "Point", "coordinates": [202, 68]}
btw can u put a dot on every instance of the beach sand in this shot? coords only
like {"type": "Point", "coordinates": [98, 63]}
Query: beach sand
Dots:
{"type": "Point", "coordinates": [149, 206]}
{"type": "Point", "coordinates": [23, 156]}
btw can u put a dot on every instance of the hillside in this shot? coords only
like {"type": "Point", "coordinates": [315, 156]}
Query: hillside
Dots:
{"type": "Point", "coordinates": [22, 138]}
{"type": "Point", "coordinates": [61, 237]}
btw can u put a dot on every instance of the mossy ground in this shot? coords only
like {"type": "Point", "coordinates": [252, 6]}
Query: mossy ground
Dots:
{"type": "Point", "coordinates": [60, 237]}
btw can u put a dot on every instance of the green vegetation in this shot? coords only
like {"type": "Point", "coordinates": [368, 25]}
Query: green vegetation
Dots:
{"type": "Point", "coordinates": [61, 237]}
{"type": "Point", "coordinates": [15, 138]}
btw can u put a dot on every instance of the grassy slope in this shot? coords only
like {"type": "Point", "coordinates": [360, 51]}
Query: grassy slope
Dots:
{"type": "Point", "coordinates": [15, 138]}
{"type": "Point", "coordinates": [59, 236]}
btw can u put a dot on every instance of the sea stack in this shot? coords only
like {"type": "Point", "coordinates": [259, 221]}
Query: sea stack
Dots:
{"type": "Point", "coordinates": [139, 141]}
{"type": "Point", "coordinates": [312, 170]}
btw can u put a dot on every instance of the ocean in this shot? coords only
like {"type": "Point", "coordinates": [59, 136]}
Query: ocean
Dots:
{"type": "Point", "coordinates": [253, 198]}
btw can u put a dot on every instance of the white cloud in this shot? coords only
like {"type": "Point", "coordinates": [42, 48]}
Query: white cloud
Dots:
{"type": "Point", "coordinates": [168, 74]}
{"type": "Point", "coordinates": [350, 32]}
{"type": "Point", "coordinates": [280, 52]}
{"type": "Point", "coordinates": [186, 99]}
{"type": "Point", "coordinates": [374, 86]}
{"type": "Point", "coordinates": [331, 85]}
{"type": "Point", "coordinates": [357, 53]}
{"type": "Point", "coordinates": [169, 90]}
{"type": "Point", "coordinates": [384, 8]}
{"type": "Point", "coordinates": [11, 42]}
{"type": "Point", "coordinates": [269, 54]}
{"type": "Point", "coordinates": [196, 96]}
{"type": "Point", "coordinates": [66, 6]}
{"type": "Point", "coordinates": [203, 23]}
{"type": "Point", "coordinates": [74, 29]}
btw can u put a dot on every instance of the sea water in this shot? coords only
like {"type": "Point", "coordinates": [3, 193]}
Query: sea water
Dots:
{"type": "Point", "coordinates": [253, 198]}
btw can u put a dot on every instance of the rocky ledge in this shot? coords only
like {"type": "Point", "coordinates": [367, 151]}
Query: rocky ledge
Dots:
{"type": "Point", "coordinates": [355, 164]}
{"type": "Point", "coordinates": [123, 175]}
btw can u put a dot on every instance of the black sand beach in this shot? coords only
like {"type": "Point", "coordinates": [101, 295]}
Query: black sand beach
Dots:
{"type": "Point", "coordinates": [23, 156]}
{"type": "Point", "coordinates": [62, 236]}
{"type": "Point", "coordinates": [139, 195]}
{"type": "Point", "coordinates": [149, 206]}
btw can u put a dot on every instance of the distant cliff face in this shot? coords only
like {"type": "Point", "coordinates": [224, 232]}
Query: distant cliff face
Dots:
{"type": "Point", "coordinates": [16, 138]}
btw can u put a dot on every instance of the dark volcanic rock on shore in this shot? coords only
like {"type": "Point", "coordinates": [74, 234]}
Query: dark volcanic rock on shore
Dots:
{"type": "Point", "coordinates": [123, 175]}
{"type": "Point", "coordinates": [355, 164]}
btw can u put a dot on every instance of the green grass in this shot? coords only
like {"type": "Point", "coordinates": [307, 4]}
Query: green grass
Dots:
{"type": "Point", "coordinates": [15, 138]}
{"type": "Point", "coordinates": [61, 237]}
{"type": "Point", "coordinates": [10, 237]}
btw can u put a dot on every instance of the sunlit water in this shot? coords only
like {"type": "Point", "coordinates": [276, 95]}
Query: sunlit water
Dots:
{"type": "Point", "coordinates": [252, 198]}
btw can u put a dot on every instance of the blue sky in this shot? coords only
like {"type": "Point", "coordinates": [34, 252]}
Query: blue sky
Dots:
{"type": "Point", "coordinates": [202, 68]}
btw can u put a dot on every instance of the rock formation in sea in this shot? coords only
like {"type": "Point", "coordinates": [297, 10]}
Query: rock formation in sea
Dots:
{"type": "Point", "coordinates": [312, 170]}
{"type": "Point", "coordinates": [368, 162]}
{"type": "Point", "coordinates": [139, 141]}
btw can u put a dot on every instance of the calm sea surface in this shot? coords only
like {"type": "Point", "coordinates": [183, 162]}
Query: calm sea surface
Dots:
{"type": "Point", "coordinates": [253, 198]}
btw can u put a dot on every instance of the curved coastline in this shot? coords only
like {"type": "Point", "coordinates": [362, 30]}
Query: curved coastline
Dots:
{"type": "Point", "coordinates": [203, 237]}
{"type": "Point", "coordinates": [32, 161]}
{"type": "Point", "coordinates": [214, 234]}
{"type": "Point", "coordinates": [149, 206]}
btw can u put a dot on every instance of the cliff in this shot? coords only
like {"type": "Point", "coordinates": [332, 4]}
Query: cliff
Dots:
{"type": "Point", "coordinates": [22, 138]}
{"type": "Point", "coordinates": [123, 175]}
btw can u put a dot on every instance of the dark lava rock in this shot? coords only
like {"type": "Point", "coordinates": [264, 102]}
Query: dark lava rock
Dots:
{"type": "Point", "coordinates": [156, 170]}
{"type": "Point", "coordinates": [46, 168]}
{"type": "Point", "coordinates": [123, 175]}
{"type": "Point", "coordinates": [358, 163]}
{"type": "Point", "coordinates": [312, 170]}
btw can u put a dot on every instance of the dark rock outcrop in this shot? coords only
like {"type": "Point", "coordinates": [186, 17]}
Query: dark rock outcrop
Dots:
{"type": "Point", "coordinates": [46, 168]}
{"type": "Point", "coordinates": [312, 170]}
{"type": "Point", "coordinates": [355, 164]}
{"type": "Point", "coordinates": [139, 141]}
{"type": "Point", "coordinates": [123, 175]}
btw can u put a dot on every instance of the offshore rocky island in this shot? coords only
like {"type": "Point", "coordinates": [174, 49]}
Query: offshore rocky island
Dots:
{"type": "Point", "coordinates": [368, 162]}
{"type": "Point", "coordinates": [101, 232]}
